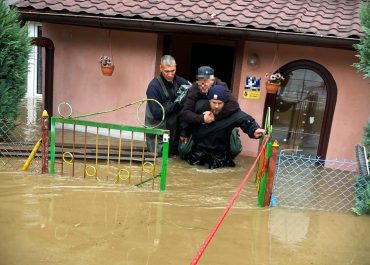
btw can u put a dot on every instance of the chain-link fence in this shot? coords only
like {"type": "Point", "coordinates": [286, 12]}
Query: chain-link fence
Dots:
{"type": "Point", "coordinates": [18, 138]}
{"type": "Point", "coordinates": [310, 183]}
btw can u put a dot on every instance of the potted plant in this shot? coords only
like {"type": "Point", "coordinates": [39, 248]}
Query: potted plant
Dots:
{"type": "Point", "coordinates": [106, 64]}
{"type": "Point", "coordinates": [273, 82]}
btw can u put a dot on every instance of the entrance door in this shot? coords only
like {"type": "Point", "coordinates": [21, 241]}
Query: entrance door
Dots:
{"type": "Point", "coordinates": [219, 57]}
{"type": "Point", "coordinates": [192, 51]}
{"type": "Point", "coordinates": [303, 108]}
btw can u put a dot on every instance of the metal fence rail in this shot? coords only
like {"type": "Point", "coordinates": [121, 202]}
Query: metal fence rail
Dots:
{"type": "Point", "coordinates": [106, 152]}
{"type": "Point", "coordinates": [310, 183]}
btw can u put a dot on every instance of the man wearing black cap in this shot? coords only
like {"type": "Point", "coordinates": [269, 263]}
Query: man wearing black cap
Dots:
{"type": "Point", "coordinates": [199, 90]}
{"type": "Point", "coordinates": [212, 141]}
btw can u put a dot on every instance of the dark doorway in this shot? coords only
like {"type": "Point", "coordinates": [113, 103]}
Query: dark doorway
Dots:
{"type": "Point", "coordinates": [191, 52]}
{"type": "Point", "coordinates": [219, 57]}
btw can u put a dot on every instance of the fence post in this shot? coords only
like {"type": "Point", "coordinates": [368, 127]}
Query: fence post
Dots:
{"type": "Point", "coordinates": [44, 141]}
{"type": "Point", "coordinates": [162, 185]}
{"type": "Point", "coordinates": [262, 189]}
{"type": "Point", "coordinates": [271, 173]}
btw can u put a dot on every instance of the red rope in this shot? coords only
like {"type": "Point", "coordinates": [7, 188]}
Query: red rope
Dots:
{"type": "Point", "coordinates": [228, 207]}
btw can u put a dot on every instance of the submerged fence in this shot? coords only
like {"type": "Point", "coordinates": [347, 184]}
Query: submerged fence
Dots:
{"type": "Point", "coordinates": [304, 182]}
{"type": "Point", "coordinates": [18, 138]}
{"type": "Point", "coordinates": [16, 143]}
{"type": "Point", "coordinates": [106, 152]}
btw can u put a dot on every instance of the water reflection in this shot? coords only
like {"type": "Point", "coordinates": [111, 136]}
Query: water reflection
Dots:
{"type": "Point", "coordinates": [29, 120]}
{"type": "Point", "coordinates": [289, 227]}
{"type": "Point", "coordinates": [81, 221]}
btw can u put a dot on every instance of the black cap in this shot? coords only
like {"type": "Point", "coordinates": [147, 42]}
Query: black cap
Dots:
{"type": "Point", "coordinates": [218, 92]}
{"type": "Point", "coordinates": [205, 72]}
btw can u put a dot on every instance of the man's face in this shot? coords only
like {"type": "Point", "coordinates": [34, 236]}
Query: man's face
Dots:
{"type": "Point", "coordinates": [216, 106]}
{"type": "Point", "coordinates": [204, 84]}
{"type": "Point", "coordinates": [168, 72]}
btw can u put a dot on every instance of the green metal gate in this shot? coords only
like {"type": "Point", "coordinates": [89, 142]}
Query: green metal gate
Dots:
{"type": "Point", "coordinates": [109, 151]}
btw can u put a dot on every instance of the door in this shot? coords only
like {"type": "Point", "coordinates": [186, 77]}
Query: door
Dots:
{"type": "Point", "coordinates": [303, 108]}
{"type": "Point", "coordinates": [219, 57]}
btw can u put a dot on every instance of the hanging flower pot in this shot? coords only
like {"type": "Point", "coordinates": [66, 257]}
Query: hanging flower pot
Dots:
{"type": "Point", "coordinates": [107, 66]}
{"type": "Point", "coordinates": [273, 82]}
{"type": "Point", "coordinates": [272, 88]}
{"type": "Point", "coordinates": [107, 70]}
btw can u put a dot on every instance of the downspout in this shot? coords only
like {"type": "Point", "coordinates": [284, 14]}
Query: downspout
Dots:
{"type": "Point", "coordinates": [49, 71]}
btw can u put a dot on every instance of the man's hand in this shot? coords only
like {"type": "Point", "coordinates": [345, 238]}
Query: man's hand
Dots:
{"type": "Point", "coordinates": [208, 117]}
{"type": "Point", "coordinates": [183, 139]}
{"type": "Point", "coordinates": [259, 132]}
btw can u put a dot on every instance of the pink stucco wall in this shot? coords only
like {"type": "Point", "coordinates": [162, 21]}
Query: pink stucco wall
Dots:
{"type": "Point", "coordinates": [353, 100]}
{"type": "Point", "coordinates": [77, 76]}
{"type": "Point", "coordinates": [78, 79]}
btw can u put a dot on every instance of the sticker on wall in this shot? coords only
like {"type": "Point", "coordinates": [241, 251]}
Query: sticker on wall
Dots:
{"type": "Point", "coordinates": [252, 88]}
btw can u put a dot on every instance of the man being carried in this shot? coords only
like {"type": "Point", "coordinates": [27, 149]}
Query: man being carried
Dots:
{"type": "Point", "coordinates": [198, 91]}
{"type": "Point", "coordinates": [212, 141]}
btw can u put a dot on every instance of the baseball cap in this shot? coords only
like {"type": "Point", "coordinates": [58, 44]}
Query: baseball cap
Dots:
{"type": "Point", "coordinates": [205, 72]}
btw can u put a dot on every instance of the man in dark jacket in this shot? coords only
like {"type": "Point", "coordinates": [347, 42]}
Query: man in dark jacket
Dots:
{"type": "Point", "coordinates": [212, 141]}
{"type": "Point", "coordinates": [163, 88]}
{"type": "Point", "coordinates": [198, 91]}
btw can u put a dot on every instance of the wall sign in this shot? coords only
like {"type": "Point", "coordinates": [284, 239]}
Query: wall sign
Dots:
{"type": "Point", "coordinates": [252, 88]}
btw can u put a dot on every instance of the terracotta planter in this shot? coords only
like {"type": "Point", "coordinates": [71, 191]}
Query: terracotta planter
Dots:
{"type": "Point", "coordinates": [272, 88]}
{"type": "Point", "coordinates": [107, 70]}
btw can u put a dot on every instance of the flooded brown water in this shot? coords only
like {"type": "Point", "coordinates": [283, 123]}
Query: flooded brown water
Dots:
{"type": "Point", "coordinates": [72, 220]}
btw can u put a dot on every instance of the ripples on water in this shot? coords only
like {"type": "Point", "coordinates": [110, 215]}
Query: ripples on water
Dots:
{"type": "Point", "coordinates": [72, 220]}
{"type": "Point", "coordinates": [80, 221]}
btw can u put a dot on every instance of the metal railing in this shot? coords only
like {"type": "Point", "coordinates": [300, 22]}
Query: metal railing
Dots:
{"type": "Point", "coordinates": [106, 151]}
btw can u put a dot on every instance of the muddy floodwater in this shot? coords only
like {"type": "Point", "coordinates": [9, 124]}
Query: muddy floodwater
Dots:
{"type": "Point", "coordinates": [65, 220]}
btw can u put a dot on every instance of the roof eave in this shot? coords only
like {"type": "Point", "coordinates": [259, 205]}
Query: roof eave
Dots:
{"type": "Point", "coordinates": [189, 28]}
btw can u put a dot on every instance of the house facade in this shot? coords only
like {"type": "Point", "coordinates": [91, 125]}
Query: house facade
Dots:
{"type": "Point", "coordinates": [321, 108]}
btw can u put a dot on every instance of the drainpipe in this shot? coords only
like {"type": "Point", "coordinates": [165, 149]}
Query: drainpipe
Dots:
{"type": "Point", "coordinates": [49, 71]}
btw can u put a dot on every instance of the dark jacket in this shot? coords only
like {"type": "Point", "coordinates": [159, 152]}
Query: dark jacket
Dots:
{"type": "Point", "coordinates": [156, 92]}
{"type": "Point", "coordinates": [189, 117]}
{"type": "Point", "coordinates": [212, 141]}
{"type": "Point", "coordinates": [215, 137]}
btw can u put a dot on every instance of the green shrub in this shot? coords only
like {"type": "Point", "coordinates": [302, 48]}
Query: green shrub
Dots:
{"type": "Point", "coordinates": [363, 48]}
{"type": "Point", "coordinates": [366, 137]}
{"type": "Point", "coordinates": [362, 202]}
{"type": "Point", "coordinates": [15, 49]}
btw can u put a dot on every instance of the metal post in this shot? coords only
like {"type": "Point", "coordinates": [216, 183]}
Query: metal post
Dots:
{"type": "Point", "coordinates": [166, 137]}
{"type": "Point", "coordinates": [271, 173]}
{"type": "Point", "coordinates": [261, 193]}
{"type": "Point", "coordinates": [52, 146]}
{"type": "Point", "coordinates": [44, 142]}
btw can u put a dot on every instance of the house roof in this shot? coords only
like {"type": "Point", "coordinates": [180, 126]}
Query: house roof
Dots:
{"type": "Point", "coordinates": [337, 19]}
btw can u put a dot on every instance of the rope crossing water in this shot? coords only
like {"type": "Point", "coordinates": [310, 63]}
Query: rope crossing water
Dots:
{"type": "Point", "coordinates": [230, 204]}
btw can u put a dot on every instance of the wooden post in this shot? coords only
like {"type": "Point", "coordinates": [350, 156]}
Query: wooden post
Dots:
{"type": "Point", "coordinates": [271, 173]}
{"type": "Point", "coordinates": [44, 142]}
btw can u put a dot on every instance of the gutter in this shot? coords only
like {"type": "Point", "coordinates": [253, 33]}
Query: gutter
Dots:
{"type": "Point", "coordinates": [190, 28]}
{"type": "Point", "coordinates": [49, 71]}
